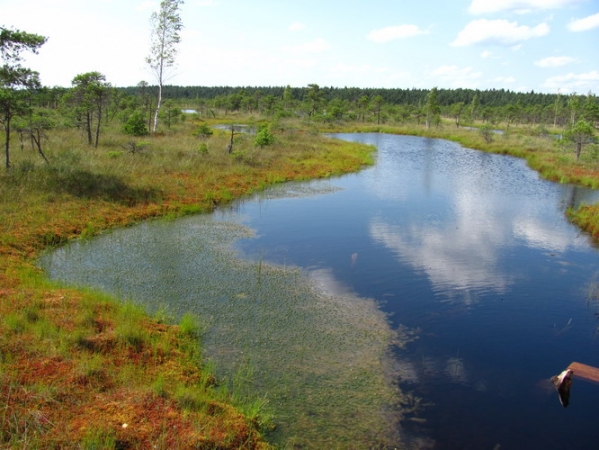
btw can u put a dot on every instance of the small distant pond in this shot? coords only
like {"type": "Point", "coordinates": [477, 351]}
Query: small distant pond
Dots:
{"type": "Point", "coordinates": [463, 259]}
{"type": "Point", "coordinates": [477, 129]}
{"type": "Point", "coordinates": [237, 128]}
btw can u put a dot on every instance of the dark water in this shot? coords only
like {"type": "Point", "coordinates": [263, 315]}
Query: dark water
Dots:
{"type": "Point", "coordinates": [473, 251]}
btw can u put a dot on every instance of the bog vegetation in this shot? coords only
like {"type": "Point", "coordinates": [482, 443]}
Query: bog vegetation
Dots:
{"type": "Point", "coordinates": [80, 370]}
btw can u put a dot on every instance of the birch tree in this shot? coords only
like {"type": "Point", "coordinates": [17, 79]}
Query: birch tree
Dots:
{"type": "Point", "coordinates": [166, 25]}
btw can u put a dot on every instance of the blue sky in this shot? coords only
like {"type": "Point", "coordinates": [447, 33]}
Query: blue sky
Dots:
{"type": "Point", "coordinates": [521, 45]}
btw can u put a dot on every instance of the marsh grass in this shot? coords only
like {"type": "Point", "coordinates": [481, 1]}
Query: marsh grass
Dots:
{"type": "Point", "coordinates": [129, 329]}
{"type": "Point", "coordinates": [93, 351]}
{"type": "Point", "coordinates": [99, 439]}
{"type": "Point", "coordinates": [587, 218]}
{"type": "Point", "coordinates": [190, 326]}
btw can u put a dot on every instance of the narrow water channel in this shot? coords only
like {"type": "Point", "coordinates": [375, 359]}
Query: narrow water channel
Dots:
{"type": "Point", "coordinates": [487, 290]}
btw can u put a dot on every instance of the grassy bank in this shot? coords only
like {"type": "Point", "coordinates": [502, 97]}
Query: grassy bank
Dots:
{"type": "Point", "coordinates": [543, 153]}
{"type": "Point", "coordinates": [80, 370]}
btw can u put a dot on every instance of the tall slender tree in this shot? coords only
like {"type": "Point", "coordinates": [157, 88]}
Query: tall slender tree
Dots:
{"type": "Point", "coordinates": [574, 104]}
{"type": "Point", "coordinates": [363, 105]}
{"type": "Point", "coordinates": [432, 108]}
{"type": "Point", "coordinates": [456, 111]}
{"type": "Point", "coordinates": [581, 134]}
{"type": "Point", "coordinates": [377, 104]}
{"type": "Point", "coordinates": [15, 80]}
{"type": "Point", "coordinates": [590, 109]}
{"type": "Point", "coordinates": [91, 94]}
{"type": "Point", "coordinates": [315, 98]}
{"type": "Point", "coordinates": [287, 97]}
{"type": "Point", "coordinates": [166, 25]}
{"type": "Point", "coordinates": [146, 100]}
{"type": "Point", "coordinates": [474, 105]}
{"type": "Point", "coordinates": [557, 107]}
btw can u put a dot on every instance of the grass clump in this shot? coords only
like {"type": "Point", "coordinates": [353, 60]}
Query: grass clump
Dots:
{"type": "Point", "coordinates": [129, 330]}
{"type": "Point", "coordinates": [189, 326]}
{"type": "Point", "coordinates": [99, 439]}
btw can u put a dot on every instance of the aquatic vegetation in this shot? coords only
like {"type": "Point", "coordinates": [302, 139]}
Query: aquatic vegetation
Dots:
{"type": "Point", "coordinates": [314, 360]}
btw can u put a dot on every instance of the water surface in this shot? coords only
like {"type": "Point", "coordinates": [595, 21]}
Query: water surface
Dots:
{"type": "Point", "coordinates": [468, 253]}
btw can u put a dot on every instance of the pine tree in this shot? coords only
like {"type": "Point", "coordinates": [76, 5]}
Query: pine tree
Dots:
{"type": "Point", "coordinates": [432, 108]}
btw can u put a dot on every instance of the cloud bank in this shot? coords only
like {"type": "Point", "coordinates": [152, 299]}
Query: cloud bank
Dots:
{"type": "Point", "coordinates": [554, 61]}
{"type": "Point", "coordinates": [588, 23]}
{"type": "Point", "coordinates": [501, 32]}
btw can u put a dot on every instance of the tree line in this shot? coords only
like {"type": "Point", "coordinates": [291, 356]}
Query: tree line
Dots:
{"type": "Point", "coordinates": [91, 102]}
{"type": "Point", "coordinates": [493, 105]}
{"type": "Point", "coordinates": [395, 96]}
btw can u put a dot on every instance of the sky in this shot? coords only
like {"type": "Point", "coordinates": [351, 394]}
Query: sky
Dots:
{"type": "Point", "coordinates": [522, 45]}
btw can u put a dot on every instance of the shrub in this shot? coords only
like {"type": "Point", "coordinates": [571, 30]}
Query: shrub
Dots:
{"type": "Point", "coordinates": [486, 132]}
{"type": "Point", "coordinates": [203, 149]}
{"type": "Point", "coordinates": [264, 137]}
{"type": "Point", "coordinates": [135, 147]}
{"type": "Point", "coordinates": [204, 131]}
{"type": "Point", "coordinates": [135, 125]}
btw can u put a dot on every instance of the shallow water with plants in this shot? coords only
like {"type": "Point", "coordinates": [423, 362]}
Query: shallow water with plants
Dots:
{"type": "Point", "coordinates": [318, 359]}
{"type": "Point", "coordinates": [463, 260]}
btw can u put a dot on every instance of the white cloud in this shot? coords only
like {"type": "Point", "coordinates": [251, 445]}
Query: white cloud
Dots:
{"type": "Point", "coordinates": [554, 61]}
{"type": "Point", "coordinates": [581, 82]}
{"type": "Point", "coordinates": [517, 6]}
{"type": "Point", "coordinates": [588, 23]}
{"type": "Point", "coordinates": [397, 32]}
{"type": "Point", "coordinates": [486, 54]}
{"type": "Point", "coordinates": [499, 32]}
{"type": "Point", "coordinates": [315, 46]}
{"type": "Point", "coordinates": [296, 26]}
{"type": "Point", "coordinates": [455, 76]}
